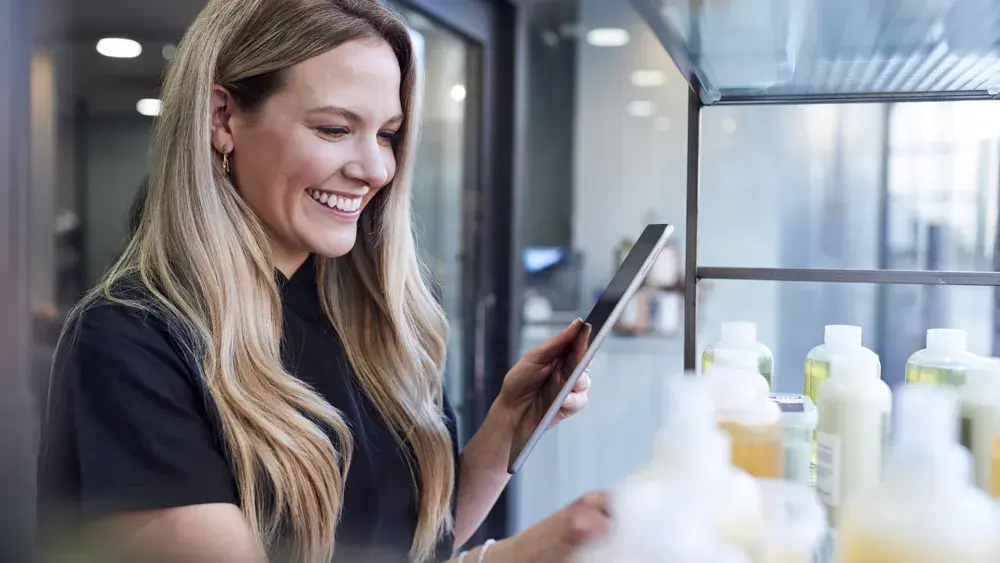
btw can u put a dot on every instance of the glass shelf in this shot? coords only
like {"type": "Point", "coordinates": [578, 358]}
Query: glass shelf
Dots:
{"type": "Point", "coordinates": [810, 51]}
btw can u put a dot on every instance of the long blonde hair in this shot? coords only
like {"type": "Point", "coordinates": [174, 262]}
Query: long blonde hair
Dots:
{"type": "Point", "coordinates": [204, 258]}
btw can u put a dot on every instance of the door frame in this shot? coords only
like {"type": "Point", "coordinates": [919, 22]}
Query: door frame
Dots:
{"type": "Point", "coordinates": [493, 300]}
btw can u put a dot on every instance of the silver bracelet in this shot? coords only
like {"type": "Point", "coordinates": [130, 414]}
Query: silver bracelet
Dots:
{"type": "Point", "coordinates": [486, 547]}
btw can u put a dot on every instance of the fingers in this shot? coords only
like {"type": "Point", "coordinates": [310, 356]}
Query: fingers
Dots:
{"type": "Point", "coordinates": [555, 347]}
{"type": "Point", "coordinates": [573, 404]}
{"type": "Point", "coordinates": [580, 344]}
{"type": "Point", "coordinates": [583, 383]}
{"type": "Point", "coordinates": [589, 518]}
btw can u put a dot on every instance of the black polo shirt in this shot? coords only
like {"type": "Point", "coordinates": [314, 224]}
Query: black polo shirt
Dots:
{"type": "Point", "coordinates": [132, 427]}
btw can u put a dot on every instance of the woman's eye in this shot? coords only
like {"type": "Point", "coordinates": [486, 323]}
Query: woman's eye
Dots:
{"type": "Point", "coordinates": [333, 131]}
{"type": "Point", "coordinates": [389, 138]}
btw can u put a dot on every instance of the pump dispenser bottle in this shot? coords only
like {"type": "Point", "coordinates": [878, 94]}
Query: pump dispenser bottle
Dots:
{"type": "Point", "coordinates": [945, 360]}
{"type": "Point", "coordinates": [692, 454]}
{"type": "Point", "coordinates": [740, 336]}
{"type": "Point", "coordinates": [980, 430]}
{"type": "Point", "coordinates": [837, 339]}
{"type": "Point", "coordinates": [926, 509]}
{"type": "Point", "coordinates": [853, 431]}
{"type": "Point", "coordinates": [745, 410]}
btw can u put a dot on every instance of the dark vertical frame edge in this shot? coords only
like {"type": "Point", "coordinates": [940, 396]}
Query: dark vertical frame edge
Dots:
{"type": "Point", "coordinates": [691, 231]}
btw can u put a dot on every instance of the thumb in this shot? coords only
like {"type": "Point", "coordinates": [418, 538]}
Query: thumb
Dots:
{"type": "Point", "coordinates": [553, 348]}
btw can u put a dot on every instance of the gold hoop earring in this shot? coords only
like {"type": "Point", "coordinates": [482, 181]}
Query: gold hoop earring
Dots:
{"type": "Point", "coordinates": [225, 162]}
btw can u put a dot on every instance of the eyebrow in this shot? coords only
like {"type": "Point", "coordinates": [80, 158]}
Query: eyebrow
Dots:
{"type": "Point", "coordinates": [349, 114]}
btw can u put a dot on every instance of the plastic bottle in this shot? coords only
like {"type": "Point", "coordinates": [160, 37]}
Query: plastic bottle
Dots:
{"type": "Point", "coordinates": [837, 339]}
{"type": "Point", "coordinates": [740, 336]}
{"type": "Point", "coordinates": [852, 436]}
{"type": "Point", "coordinates": [799, 418]}
{"type": "Point", "coordinates": [692, 454]}
{"type": "Point", "coordinates": [926, 509]}
{"type": "Point", "coordinates": [655, 522]}
{"type": "Point", "coordinates": [745, 410]}
{"type": "Point", "coordinates": [980, 430]}
{"type": "Point", "coordinates": [795, 523]}
{"type": "Point", "coordinates": [945, 360]}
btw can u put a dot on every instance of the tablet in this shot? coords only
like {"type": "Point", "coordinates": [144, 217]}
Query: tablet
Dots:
{"type": "Point", "coordinates": [599, 322]}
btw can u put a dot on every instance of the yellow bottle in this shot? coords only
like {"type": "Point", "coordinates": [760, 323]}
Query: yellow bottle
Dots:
{"type": "Point", "coordinates": [945, 360]}
{"type": "Point", "coordinates": [926, 509]}
{"type": "Point", "coordinates": [745, 410]}
{"type": "Point", "coordinates": [740, 336]}
{"type": "Point", "coordinates": [980, 430]}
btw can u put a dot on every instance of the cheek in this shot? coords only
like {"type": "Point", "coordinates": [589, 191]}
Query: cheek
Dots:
{"type": "Point", "coordinates": [311, 164]}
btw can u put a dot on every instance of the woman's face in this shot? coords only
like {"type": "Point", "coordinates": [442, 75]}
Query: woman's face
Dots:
{"type": "Point", "coordinates": [314, 154]}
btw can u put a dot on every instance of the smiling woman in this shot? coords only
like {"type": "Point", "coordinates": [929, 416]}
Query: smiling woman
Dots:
{"type": "Point", "coordinates": [268, 328]}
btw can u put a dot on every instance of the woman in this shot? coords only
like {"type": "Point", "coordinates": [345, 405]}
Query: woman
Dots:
{"type": "Point", "coordinates": [259, 375]}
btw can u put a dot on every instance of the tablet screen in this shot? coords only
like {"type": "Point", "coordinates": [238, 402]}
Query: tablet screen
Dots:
{"type": "Point", "coordinates": [598, 324]}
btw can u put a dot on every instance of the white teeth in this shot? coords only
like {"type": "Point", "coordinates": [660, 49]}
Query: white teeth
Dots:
{"type": "Point", "coordinates": [342, 203]}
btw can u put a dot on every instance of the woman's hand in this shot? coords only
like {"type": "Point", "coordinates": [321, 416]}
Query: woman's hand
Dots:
{"type": "Point", "coordinates": [559, 537]}
{"type": "Point", "coordinates": [532, 383]}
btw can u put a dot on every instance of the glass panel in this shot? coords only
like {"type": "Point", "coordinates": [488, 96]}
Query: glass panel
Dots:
{"type": "Point", "coordinates": [442, 177]}
{"type": "Point", "coordinates": [810, 192]}
{"type": "Point", "coordinates": [756, 49]}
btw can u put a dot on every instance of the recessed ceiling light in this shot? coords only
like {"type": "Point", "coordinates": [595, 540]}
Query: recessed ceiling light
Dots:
{"type": "Point", "coordinates": [168, 51]}
{"type": "Point", "coordinates": [149, 107]}
{"type": "Point", "coordinates": [641, 108]}
{"type": "Point", "coordinates": [729, 125]}
{"type": "Point", "coordinates": [119, 48]}
{"type": "Point", "coordinates": [645, 78]}
{"type": "Point", "coordinates": [458, 92]}
{"type": "Point", "coordinates": [607, 37]}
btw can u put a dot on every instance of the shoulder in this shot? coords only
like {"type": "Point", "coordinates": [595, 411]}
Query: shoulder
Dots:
{"type": "Point", "coordinates": [124, 334]}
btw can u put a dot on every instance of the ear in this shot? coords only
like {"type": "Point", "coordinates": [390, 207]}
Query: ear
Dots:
{"type": "Point", "coordinates": [222, 107]}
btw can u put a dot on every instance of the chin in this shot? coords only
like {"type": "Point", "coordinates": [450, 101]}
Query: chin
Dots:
{"type": "Point", "coordinates": [335, 245]}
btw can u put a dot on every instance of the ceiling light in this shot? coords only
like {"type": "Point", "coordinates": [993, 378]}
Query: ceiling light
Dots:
{"type": "Point", "coordinates": [458, 92]}
{"type": "Point", "coordinates": [607, 37]}
{"type": "Point", "coordinates": [149, 107]}
{"type": "Point", "coordinates": [729, 125]}
{"type": "Point", "coordinates": [168, 51]}
{"type": "Point", "coordinates": [641, 108]}
{"type": "Point", "coordinates": [648, 78]}
{"type": "Point", "coordinates": [119, 48]}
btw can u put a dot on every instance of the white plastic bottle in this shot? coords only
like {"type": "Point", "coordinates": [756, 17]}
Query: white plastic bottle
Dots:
{"type": "Point", "coordinates": [654, 522]}
{"type": "Point", "coordinates": [745, 410]}
{"type": "Point", "coordinates": [980, 430]}
{"type": "Point", "coordinates": [945, 360]}
{"type": "Point", "coordinates": [837, 339]}
{"type": "Point", "coordinates": [740, 336]}
{"type": "Point", "coordinates": [853, 431]}
{"type": "Point", "coordinates": [926, 510]}
{"type": "Point", "coordinates": [692, 454]}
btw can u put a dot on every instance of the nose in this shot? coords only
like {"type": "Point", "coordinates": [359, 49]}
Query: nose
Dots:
{"type": "Point", "coordinates": [368, 164]}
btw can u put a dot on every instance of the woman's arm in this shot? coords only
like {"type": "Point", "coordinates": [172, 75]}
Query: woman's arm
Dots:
{"type": "Point", "coordinates": [205, 533]}
{"type": "Point", "coordinates": [483, 472]}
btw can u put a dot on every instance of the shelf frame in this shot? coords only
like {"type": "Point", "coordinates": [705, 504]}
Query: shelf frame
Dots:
{"type": "Point", "coordinates": [702, 94]}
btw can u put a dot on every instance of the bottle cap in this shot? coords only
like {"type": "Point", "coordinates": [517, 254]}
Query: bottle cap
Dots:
{"type": "Point", "coordinates": [856, 365]}
{"type": "Point", "coordinates": [738, 334]}
{"type": "Point", "coordinates": [946, 340]}
{"type": "Point", "coordinates": [984, 375]}
{"type": "Point", "coordinates": [927, 431]}
{"type": "Point", "coordinates": [690, 435]}
{"type": "Point", "coordinates": [840, 338]}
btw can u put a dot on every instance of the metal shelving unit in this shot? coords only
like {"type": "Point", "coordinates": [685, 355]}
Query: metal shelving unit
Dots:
{"type": "Point", "coordinates": [755, 52]}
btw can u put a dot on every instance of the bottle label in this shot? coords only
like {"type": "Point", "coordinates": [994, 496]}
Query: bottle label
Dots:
{"type": "Point", "coordinates": [967, 431]}
{"type": "Point", "coordinates": [828, 468]}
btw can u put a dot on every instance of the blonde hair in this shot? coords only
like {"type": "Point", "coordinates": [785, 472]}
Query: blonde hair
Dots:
{"type": "Point", "coordinates": [204, 258]}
